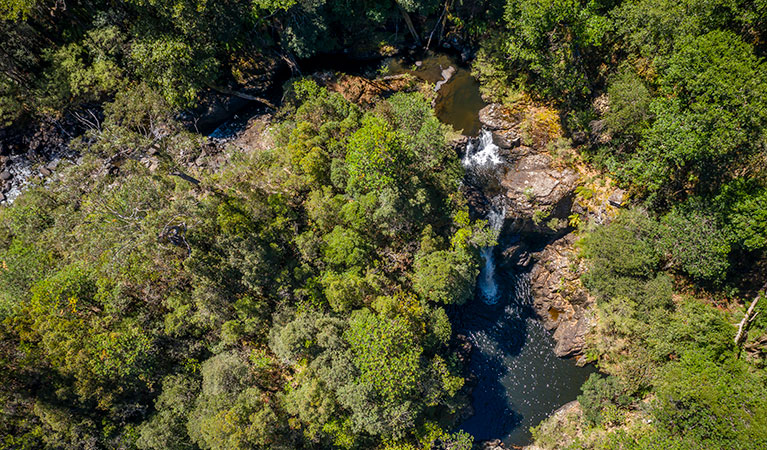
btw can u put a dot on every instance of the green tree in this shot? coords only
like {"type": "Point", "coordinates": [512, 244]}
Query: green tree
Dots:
{"type": "Point", "coordinates": [709, 118]}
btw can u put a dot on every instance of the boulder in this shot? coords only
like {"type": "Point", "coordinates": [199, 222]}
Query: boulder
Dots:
{"type": "Point", "coordinates": [506, 139]}
{"type": "Point", "coordinates": [517, 255]}
{"type": "Point", "coordinates": [537, 192]}
{"type": "Point", "coordinates": [617, 197]}
{"type": "Point", "coordinates": [6, 175]}
{"type": "Point", "coordinates": [495, 444]}
{"type": "Point", "coordinates": [497, 117]}
{"type": "Point", "coordinates": [571, 337]}
{"type": "Point", "coordinates": [44, 171]}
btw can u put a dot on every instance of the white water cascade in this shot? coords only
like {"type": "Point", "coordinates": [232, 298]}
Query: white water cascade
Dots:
{"type": "Point", "coordinates": [483, 154]}
{"type": "Point", "coordinates": [482, 157]}
{"type": "Point", "coordinates": [486, 282]}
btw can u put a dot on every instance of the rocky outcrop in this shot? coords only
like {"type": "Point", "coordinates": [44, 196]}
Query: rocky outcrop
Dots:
{"type": "Point", "coordinates": [34, 149]}
{"type": "Point", "coordinates": [497, 117]}
{"type": "Point", "coordinates": [538, 190]}
{"type": "Point", "coordinates": [539, 195]}
{"type": "Point", "coordinates": [494, 444]}
{"type": "Point", "coordinates": [559, 297]}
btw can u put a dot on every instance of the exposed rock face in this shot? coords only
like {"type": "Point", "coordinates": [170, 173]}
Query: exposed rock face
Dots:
{"type": "Point", "coordinates": [507, 139]}
{"type": "Point", "coordinates": [538, 192]}
{"type": "Point", "coordinates": [26, 146]}
{"type": "Point", "coordinates": [559, 298]}
{"type": "Point", "coordinates": [539, 196]}
{"type": "Point", "coordinates": [497, 117]}
{"type": "Point", "coordinates": [617, 197]}
{"type": "Point", "coordinates": [494, 444]}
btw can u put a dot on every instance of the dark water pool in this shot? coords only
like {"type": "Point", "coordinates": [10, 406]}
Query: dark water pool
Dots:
{"type": "Point", "coordinates": [519, 379]}
{"type": "Point", "coordinates": [458, 101]}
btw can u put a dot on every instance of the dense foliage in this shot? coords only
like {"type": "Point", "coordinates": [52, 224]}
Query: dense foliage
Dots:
{"type": "Point", "coordinates": [670, 99]}
{"type": "Point", "coordinates": [60, 55]}
{"type": "Point", "coordinates": [671, 359]}
{"type": "Point", "coordinates": [294, 297]}
{"type": "Point", "coordinates": [292, 300]}
{"type": "Point", "coordinates": [674, 98]}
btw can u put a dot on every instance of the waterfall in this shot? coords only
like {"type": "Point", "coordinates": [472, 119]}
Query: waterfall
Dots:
{"type": "Point", "coordinates": [479, 158]}
{"type": "Point", "coordinates": [488, 286]}
{"type": "Point", "coordinates": [482, 155]}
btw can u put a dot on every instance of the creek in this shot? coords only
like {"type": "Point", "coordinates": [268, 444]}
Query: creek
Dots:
{"type": "Point", "coordinates": [516, 378]}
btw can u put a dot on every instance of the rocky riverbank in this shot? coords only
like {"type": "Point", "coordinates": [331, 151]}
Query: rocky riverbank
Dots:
{"type": "Point", "coordinates": [547, 193]}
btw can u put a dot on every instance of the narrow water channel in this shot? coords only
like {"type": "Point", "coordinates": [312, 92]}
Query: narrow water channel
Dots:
{"type": "Point", "coordinates": [518, 379]}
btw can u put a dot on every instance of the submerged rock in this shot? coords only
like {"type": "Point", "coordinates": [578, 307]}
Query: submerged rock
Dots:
{"type": "Point", "coordinates": [447, 74]}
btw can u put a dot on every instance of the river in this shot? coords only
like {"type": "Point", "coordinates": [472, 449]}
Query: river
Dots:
{"type": "Point", "coordinates": [518, 381]}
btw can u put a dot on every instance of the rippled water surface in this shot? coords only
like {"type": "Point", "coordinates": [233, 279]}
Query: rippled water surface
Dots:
{"type": "Point", "coordinates": [519, 379]}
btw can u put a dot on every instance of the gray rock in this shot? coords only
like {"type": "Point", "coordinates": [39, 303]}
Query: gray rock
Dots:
{"type": "Point", "coordinates": [534, 187]}
{"type": "Point", "coordinates": [52, 165]}
{"type": "Point", "coordinates": [507, 139]}
{"type": "Point", "coordinates": [5, 175]}
{"type": "Point", "coordinates": [617, 197]}
{"type": "Point", "coordinates": [495, 444]}
{"type": "Point", "coordinates": [497, 117]}
{"type": "Point", "coordinates": [559, 297]}
{"type": "Point", "coordinates": [44, 171]}
{"type": "Point", "coordinates": [2, 197]}
{"type": "Point", "coordinates": [518, 255]}
{"type": "Point", "coordinates": [571, 337]}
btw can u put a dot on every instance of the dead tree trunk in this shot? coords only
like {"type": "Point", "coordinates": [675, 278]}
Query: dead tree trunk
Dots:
{"type": "Point", "coordinates": [245, 96]}
{"type": "Point", "coordinates": [409, 23]}
{"type": "Point", "coordinates": [748, 318]}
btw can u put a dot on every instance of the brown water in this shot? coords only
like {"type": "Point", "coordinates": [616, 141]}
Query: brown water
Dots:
{"type": "Point", "coordinates": [458, 101]}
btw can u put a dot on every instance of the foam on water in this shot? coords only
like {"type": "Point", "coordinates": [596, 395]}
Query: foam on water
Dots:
{"type": "Point", "coordinates": [482, 154]}
{"type": "Point", "coordinates": [519, 379]}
